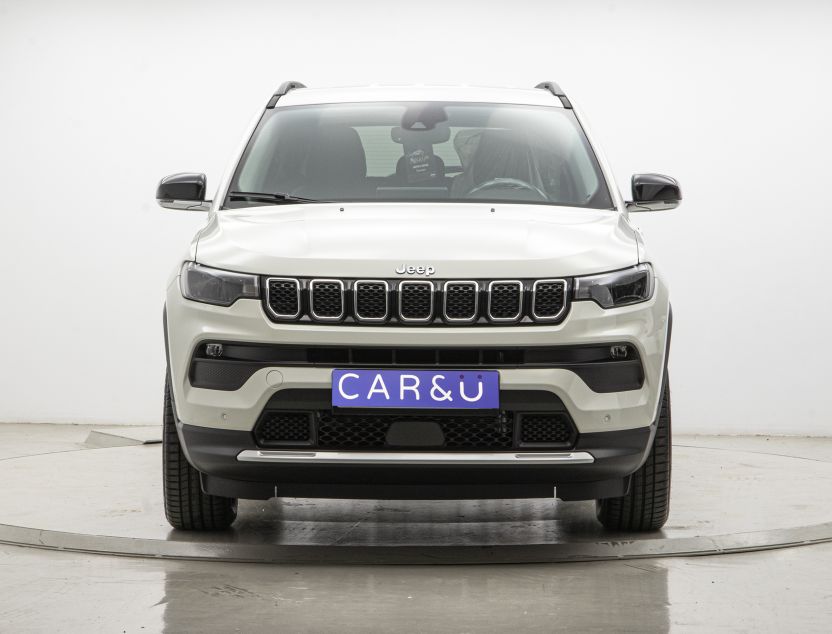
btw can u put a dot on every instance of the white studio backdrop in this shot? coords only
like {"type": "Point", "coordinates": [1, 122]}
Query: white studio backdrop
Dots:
{"type": "Point", "coordinates": [102, 99]}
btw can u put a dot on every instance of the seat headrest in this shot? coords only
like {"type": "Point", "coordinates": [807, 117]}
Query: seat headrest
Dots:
{"type": "Point", "coordinates": [465, 144]}
{"type": "Point", "coordinates": [336, 155]}
{"type": "Point", "coordinates": [501, 154]}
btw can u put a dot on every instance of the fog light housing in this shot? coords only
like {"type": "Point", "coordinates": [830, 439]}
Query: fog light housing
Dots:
{"type": "Point", "coordinates": [619, 352]}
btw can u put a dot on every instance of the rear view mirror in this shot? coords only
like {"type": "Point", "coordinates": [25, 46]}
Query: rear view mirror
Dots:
{"type": "Point", "coordinates": [654, 192]}
{"type": "Point", "coordinates": [183, 191]}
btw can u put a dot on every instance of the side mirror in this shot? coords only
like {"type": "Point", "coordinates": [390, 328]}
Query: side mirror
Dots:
{"type": "Point", "coordinates": [654, 192]}
{"type": "Point", "coordinates": [183, 191]}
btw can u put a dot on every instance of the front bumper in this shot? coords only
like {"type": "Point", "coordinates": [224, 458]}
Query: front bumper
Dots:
{"type": "Point", "coordinates": [645, 326]}
{"type": "Point", "coordinates": [614, 429]}
{"type": "Point", "coordinates": [597, 467]}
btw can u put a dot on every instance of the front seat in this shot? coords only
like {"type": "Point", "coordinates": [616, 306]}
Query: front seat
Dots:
{"type": "Point", "coordinates": [336, 166]}
{"type": "Point", "coordinates": [465, 144]}
{"type": "Point", "coordinates": [497, 154]}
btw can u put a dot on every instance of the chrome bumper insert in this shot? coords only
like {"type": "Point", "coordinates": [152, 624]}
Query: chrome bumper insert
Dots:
{"type": "Point", "coordinates": [413, 457]}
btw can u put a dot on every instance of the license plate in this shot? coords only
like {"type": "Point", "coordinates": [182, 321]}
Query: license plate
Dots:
{"type": "Point", "coordinates": [416, 389]}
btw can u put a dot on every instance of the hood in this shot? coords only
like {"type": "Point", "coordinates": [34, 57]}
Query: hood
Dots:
{"type": "Point", "coordinates": [457, 240]}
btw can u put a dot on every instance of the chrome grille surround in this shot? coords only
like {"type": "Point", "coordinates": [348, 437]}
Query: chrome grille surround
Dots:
{"type": "Point", "coordinates": [269, 303]}
{"type": "Point", "coordinates": [416, 284]}
{"type": "Point", "coordinates": [564, 286]}
{"type": "Point", "coordinates": [357, 300]}
{"type": "Point", "coordinates": [446, 296]}
{"type": "Point", "coordinates": [502, 317]}
{"type": "Point", "coordinates": [312, 299]}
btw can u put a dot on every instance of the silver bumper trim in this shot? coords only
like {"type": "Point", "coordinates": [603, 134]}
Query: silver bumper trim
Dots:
{"type": "Point", "coordinates": [413, 457]}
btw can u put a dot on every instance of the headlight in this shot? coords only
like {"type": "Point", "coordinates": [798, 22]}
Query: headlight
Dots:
{"type": "Point", "coordinates": [619, 288]}
{"type": "Point", "coordinates": [215, 286]}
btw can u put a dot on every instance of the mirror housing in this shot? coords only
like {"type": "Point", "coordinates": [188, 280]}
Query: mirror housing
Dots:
{"type": "Point", "coordinates": [183, 191]}
{"type": "Point", "coordinates": [654, 192]}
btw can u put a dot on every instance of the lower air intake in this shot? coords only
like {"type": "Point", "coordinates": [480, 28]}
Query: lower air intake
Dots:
{"type": "Point", "coordinates": [370, 432]}
{"type": "Point", "coordinates": [550, 429]}
{"type": "Point", "coordinates": [284, 428]}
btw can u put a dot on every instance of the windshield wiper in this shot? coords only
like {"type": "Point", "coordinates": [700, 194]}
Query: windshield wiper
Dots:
{"type": "Point", "coordinates": [275, 199]}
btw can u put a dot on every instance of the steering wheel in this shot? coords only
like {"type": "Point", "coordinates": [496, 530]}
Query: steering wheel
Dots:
{"type": "Point", "coordinates": [507, 183]}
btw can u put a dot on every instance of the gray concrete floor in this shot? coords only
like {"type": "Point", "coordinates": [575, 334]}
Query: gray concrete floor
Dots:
{"type": "Point", "coordinates": [780, 591]}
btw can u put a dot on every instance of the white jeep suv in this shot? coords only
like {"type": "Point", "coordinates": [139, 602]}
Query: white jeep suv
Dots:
{"type": "Point", "coordinates": [417, 293]}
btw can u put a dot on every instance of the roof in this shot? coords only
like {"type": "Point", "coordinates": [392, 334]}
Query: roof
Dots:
{"type": "Point", "coordinates": [472, 94]}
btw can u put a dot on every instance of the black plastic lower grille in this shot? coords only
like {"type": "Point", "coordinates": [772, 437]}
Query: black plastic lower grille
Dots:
{"type": "Point", "coordinates": [370, 432]}
{"type": "Point", "coordinates": [285, 427]}
{"type": "Point", "coordinates": [324, 430]}
{"type": "Point", "coordinates": [595, 364]}
{"type": "Point", "coordinates": [478, 433]}
{"type": "Point", "coordinates": [546, 429]}
{"type": "Point", "coordinates": [352, 432]}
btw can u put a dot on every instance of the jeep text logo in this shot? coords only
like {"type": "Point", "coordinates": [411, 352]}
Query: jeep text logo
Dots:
{"type": "Point", "coordinates": [405, 269]}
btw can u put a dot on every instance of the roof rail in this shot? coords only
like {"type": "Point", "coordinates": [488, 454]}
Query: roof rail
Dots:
{"type": "Point", "coordinates": [556, 90]}
{"type": "Point", "coordinates": [285, 87]}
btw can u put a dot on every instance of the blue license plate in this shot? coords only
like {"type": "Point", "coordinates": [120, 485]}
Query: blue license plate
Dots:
{"type": "Point", "coordinates": [416, 389]}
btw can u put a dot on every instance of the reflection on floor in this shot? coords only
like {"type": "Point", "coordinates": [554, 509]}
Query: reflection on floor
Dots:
{"type": "Point", "coordinates": [781, 590]}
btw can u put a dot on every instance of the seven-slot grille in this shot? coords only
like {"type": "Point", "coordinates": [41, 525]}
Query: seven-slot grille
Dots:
{"type": "Point", "coordinates": [417, 302]}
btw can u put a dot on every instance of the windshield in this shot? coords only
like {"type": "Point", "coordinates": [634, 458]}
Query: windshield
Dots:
{"type": "Point", "coordinates": [419, 152]}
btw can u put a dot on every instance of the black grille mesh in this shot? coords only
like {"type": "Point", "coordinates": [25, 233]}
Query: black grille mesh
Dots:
{"type": "Point", "coordinates": [327, 299]}
{"type": "Point", "coordinates": [461, 300]}
{"type": "Point", "coordinates": [416, 301]}
{"type": "Point", "coordinates": [477, 433]}
{"type": "Point", "coordinates": [549, 298]}
{"type": "Point", "coordinates": [353, 432]}
{"type": "Point", "coordinates": [370, 300]}
{"type": "Point", "coordinates": [283, 297]}
{"type": "Point", "coordinates": [284, 427]}
{"type": "Point", "coordinates": [549, 429]}
{"type": "Point", "coordinates": [370, 432]}
{"type": "Point", "coordinates": [505, 300]}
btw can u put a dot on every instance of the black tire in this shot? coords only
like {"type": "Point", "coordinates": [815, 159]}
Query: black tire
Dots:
{"type": "Point", "coordinates": [186, 506]}
{"type": "Point", "coordinates": [646, 506]}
